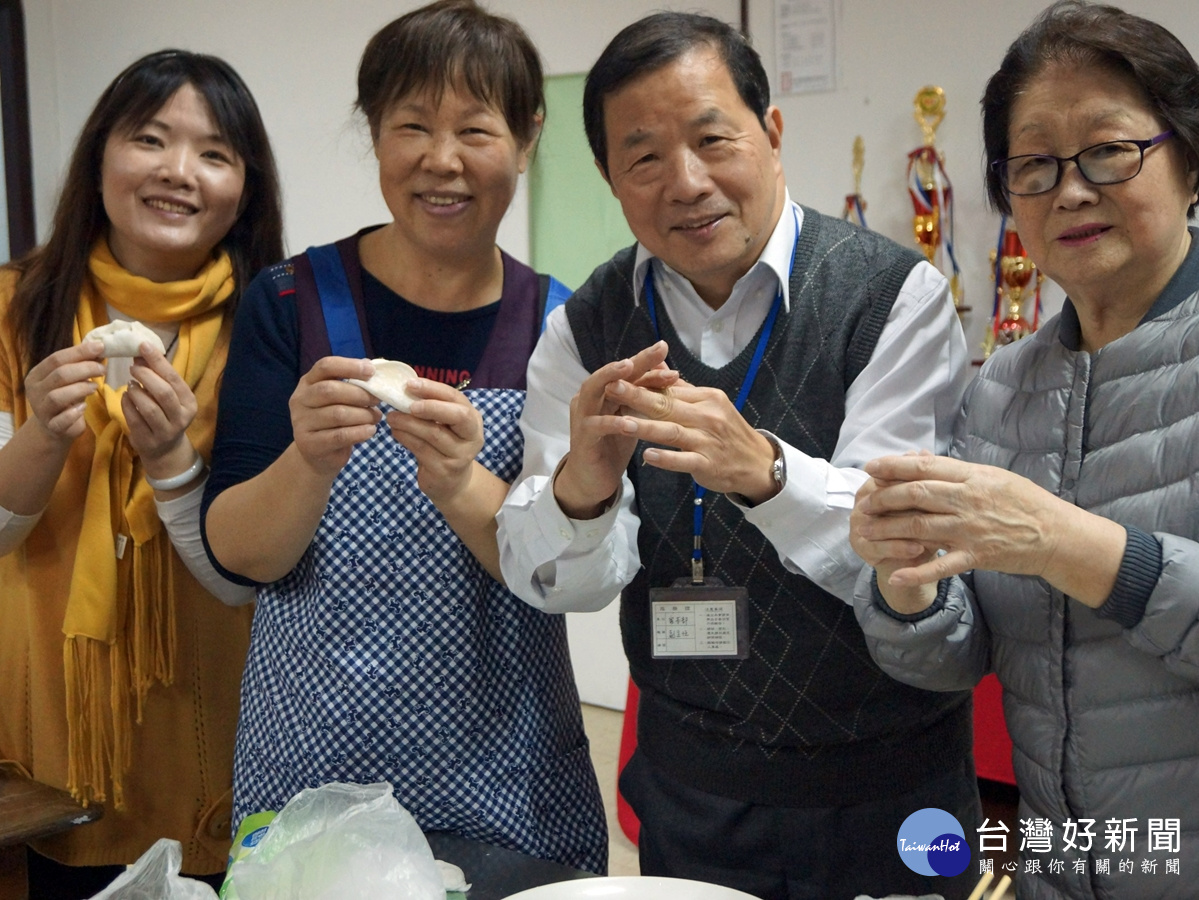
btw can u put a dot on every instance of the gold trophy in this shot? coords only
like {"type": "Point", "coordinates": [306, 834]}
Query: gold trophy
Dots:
{"type": "Point", "coordinates": [929, 113]}
{"type": "Point", "coordinates": [1017, 274]}
{"type": "Point", "coordinates": [855, 203]}
{"type": "Point", "coordinates": [931, 192]}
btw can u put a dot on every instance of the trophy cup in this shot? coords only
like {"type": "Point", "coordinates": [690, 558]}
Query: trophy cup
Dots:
{"type": "Point", "coordinates": [932, 194]}
{"type": "Point", "coordinates": [929, 113]}
{"type": "Point", "coordinates": [1014, 275]}
{"type": "Point", "coordinates": [855, 204]}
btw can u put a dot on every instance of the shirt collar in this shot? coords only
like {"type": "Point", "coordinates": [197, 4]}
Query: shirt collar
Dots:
{"type": "Point", "coordinates": [776, 255]}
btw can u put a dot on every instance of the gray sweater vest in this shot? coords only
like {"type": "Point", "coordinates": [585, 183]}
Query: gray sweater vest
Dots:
{"type": "Point", "coordinates": [808, 719]}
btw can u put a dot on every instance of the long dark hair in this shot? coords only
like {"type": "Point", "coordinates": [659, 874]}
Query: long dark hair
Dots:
{"type": "Point", "coordinates": [52, 276]}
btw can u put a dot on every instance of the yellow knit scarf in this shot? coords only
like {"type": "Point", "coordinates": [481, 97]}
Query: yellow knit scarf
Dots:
{"type": "Point", "coordinates": [121, 603]}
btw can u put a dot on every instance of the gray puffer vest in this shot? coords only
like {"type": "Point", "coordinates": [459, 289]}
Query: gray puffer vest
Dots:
{"type": "Point", "coordinates": [1104, 719]}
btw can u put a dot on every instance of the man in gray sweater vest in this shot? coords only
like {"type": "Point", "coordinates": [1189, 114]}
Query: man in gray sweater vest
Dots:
{"type": "Point", "coordinates": [724, 379]}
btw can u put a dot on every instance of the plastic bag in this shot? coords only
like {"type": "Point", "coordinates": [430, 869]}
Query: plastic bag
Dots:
{"type": "Point", "coordinates": [338, 841]}
{"type": "Point", "coordinates": [155, 876]}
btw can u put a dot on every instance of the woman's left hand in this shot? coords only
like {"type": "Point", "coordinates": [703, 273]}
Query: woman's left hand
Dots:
{"type": "Point", "coordinates": [445, 434]}
{"type": "Point", "coordinates": [982, 516]}
{"type": "Point", "coordinates": [985, 517]}
{"type": "Point", "coordinates": [158, 407]}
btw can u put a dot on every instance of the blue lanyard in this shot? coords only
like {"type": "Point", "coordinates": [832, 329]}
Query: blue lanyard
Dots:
{"type": "Point", "coordinates": [697, 554]}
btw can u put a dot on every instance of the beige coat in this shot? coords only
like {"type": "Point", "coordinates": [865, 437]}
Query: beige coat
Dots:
{"type": "Point", "coordinates": [179, 783]}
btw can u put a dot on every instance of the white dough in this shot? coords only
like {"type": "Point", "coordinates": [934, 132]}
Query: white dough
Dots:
{"type": "Point", "coordinates": [454, 877]}
{"type": "Point", "coordinates": [388, 383]}
{"type": "Point", "coordinates": [122, 338]}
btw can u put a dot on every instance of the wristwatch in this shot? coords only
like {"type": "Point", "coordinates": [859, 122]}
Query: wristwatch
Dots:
{"type": "Point", "coordinates": [778, 471]}
{"type": "Point", "coordinates": [778, 468]}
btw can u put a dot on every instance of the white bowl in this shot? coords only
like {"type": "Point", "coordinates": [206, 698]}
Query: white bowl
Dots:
{"type": "Point", "coordinates": [631, 887]}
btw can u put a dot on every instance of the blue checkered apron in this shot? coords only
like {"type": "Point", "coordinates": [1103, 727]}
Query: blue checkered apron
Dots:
{"type": "Point", "coordinates": [389, 653]}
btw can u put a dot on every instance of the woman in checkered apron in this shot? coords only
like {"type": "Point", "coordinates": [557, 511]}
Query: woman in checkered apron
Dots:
{"type": "Point", "coordinates": [385, 646]}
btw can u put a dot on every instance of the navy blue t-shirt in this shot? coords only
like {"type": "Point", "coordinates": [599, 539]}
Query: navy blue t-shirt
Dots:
{"type": "Point", "coordinates": [440, 346]}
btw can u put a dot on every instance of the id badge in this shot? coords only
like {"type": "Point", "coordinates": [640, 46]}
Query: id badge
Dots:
{"type": "Point", "coordinates": [700, 621]}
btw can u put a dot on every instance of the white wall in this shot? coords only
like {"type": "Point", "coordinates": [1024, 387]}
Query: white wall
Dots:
{"type": "Point", "coordinates": [888, 50]}
{"type": "Point", "coordinates": [300, 57]}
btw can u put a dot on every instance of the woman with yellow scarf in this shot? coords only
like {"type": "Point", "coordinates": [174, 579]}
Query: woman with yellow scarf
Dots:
{"type": "Point", "coordinates": [120, 668]}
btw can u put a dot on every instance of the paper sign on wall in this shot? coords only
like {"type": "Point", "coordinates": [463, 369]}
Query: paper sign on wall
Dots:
{"type": "Point", "coordinates": [804, 46]}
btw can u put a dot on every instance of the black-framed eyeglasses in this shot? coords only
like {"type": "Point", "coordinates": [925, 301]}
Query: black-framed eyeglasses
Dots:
{"type": "Point", "coordinates": [1108, 163]}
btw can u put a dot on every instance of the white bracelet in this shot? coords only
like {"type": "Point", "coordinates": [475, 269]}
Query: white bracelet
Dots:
{"type": "Point", "coordinates": [177, 481]}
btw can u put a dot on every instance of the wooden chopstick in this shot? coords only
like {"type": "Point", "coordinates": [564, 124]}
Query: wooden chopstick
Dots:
{"type": "Point", "coordinates": [977, 893]}
{"type": "Point", "coordinates": [1001, 888]}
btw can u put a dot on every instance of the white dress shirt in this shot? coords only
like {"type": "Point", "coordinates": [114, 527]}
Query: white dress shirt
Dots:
{"type": "Point", "coordinates": [180, 516]}
{"type": "Point", "coordinates": [906, 398]}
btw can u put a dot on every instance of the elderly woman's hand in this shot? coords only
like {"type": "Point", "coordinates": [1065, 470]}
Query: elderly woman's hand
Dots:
{"type": "Point", "coordinates": [329, 416]}
{"type": "Point", "coordinates": [887, 557]}
{"type": "Point", "coordinates": [445, 434]}
{"type": "Point", "coordinates": [983, 517]}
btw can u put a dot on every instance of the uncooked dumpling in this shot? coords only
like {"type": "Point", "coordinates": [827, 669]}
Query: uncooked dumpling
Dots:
{"type": "Point", "coordinates": [388, 383]}
{"type": "Point", "coordinates": [453, 877]}
{"type": "Point", "coordinates": [122, 338]}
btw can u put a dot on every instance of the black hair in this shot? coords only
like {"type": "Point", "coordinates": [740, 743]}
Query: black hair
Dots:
{"type": "Point", "coordinates": [454, 42]}
{"type": "Point", "coordinates": [656, 41]}
{"type": "Point", "coordinates": [43, 307]}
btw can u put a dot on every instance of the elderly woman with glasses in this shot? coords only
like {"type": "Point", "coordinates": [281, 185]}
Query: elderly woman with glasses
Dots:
{"type": "Point", "coordinates": [1057, 547]}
